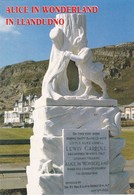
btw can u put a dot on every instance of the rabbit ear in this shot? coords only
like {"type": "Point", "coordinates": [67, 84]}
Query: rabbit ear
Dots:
{"type": "Point", "coordinates": [81, 31]}
{"type": "Point", "coordinates": [79, 37]}
{"type": "Point", "coordinates": [76, 40]}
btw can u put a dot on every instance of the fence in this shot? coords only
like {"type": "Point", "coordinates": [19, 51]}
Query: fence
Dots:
{"type": "Point", "coordinates": [13, 177]}
{"type": "Point", "coordinates": [127, 123]}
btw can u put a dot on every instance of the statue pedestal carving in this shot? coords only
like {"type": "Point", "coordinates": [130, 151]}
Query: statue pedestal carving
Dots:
{"type": "Point", "coordinates": [45, 173]}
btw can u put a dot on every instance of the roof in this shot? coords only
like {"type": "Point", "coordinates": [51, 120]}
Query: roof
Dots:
{"type": "Point", "coordinates": [22, 98]}
{"type": "Point", "coordinates": [130, 105]}
{"type": "Point", "coordinates": [121, 108]}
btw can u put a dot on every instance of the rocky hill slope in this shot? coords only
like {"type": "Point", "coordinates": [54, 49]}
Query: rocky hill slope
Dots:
{"type": "Point", "coordinates": [119, 69]}
{"type": "Point", "coordinates": [27, 76]}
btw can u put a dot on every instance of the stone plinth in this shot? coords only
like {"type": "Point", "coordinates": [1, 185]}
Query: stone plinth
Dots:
{"type": "Point", "coordinates": [45, 173]}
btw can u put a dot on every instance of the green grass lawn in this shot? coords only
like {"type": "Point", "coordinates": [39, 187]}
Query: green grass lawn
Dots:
{"type": "Point", "coordinates": [20, 133]}
{"type": "Point", "coordinates": [128, 134]}
{"type": "Point", "coordinates": [15, 133]}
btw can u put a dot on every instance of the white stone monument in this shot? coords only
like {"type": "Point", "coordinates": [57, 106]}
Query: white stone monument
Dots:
{"type": "Point", "coordinates": [59, 160]}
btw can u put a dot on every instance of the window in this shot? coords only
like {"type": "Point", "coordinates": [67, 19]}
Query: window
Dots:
{"type": "Point", "coordinates": [127, 109]}
{"type": "Point", "coordinates": [128, 116]}
{"type": "Point", "coordinates": [27, 116]}
{"type": "Point", "coordinates": [24, 109]}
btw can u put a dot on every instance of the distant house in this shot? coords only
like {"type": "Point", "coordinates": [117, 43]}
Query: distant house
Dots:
{"type": "Point", "coordinates": [129, 111]}
{"type": "Point", "coordinates": [22, 111]}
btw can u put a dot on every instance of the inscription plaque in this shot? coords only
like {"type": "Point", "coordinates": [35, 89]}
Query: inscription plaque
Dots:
{"type": "Point", "coordinates": [86, 162]}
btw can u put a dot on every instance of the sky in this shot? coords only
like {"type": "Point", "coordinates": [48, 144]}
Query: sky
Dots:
{"type": "Point", "coordinates": [112, 24]}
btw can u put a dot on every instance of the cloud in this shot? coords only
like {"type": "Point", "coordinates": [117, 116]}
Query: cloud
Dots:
{"type": "Point", "coordinates": [7, 28]}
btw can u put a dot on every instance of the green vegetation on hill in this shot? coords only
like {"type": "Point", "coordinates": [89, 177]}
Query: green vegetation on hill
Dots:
{"type": "Point", "coordinates": [119, 68]}
{"type": "Point", "coordinates": [122, 89]}
{"type": "Point", "coordinates": [24, 77]}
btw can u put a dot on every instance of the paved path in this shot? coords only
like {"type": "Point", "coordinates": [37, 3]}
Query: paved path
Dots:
{"type": "Point", "coordinates": [12, 176]}
{"type": "Point", "coordinates": [130, 169]}
{"type": "Point", "coordinates": [127, 129]}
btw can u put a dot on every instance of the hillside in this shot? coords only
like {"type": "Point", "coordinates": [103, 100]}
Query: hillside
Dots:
{"type": "Point", "coordinates": [27, 76]}
{"type": "Point", "coordinates": [119, 69]}
{"type": "Point", "coordinates": [22, 77]}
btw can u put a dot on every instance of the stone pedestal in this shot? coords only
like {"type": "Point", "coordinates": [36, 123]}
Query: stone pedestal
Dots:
{"type": "Point", "coordinates": [45, 173]}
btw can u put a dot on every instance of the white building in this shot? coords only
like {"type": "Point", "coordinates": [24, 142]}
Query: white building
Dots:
{"type": "Point", "coordinates": [22, 111]}
{"type": "Point", "coordinates": [129, 111]}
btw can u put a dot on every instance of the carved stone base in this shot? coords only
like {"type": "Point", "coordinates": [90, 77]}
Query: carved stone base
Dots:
{"type": "Point", "coordinates": [53, 183]}
{"type": "Point", "coordinates": [75, 101]}
{"type": "Point", "coordinates": [45, 184]}
{"type": "Point", "coordinates": [45, 173]}
{"type": "Point", "coordinates": [50, 120]}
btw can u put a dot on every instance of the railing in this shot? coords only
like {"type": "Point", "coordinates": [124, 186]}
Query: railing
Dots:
{"type": "Point", "coordinates": [127, 123]}
{"type": "Point", "coordinates": [14, 142]}
{"type": "Point", "coordinates": [13, 177]}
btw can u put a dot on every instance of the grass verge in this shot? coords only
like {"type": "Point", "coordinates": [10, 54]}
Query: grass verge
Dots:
{"type": "Point", "coordinates": [15, 133]}
{"type": "Point", "coordinates": [128, 151]}
{"type": "Point", "coordinates": [20, 133]}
